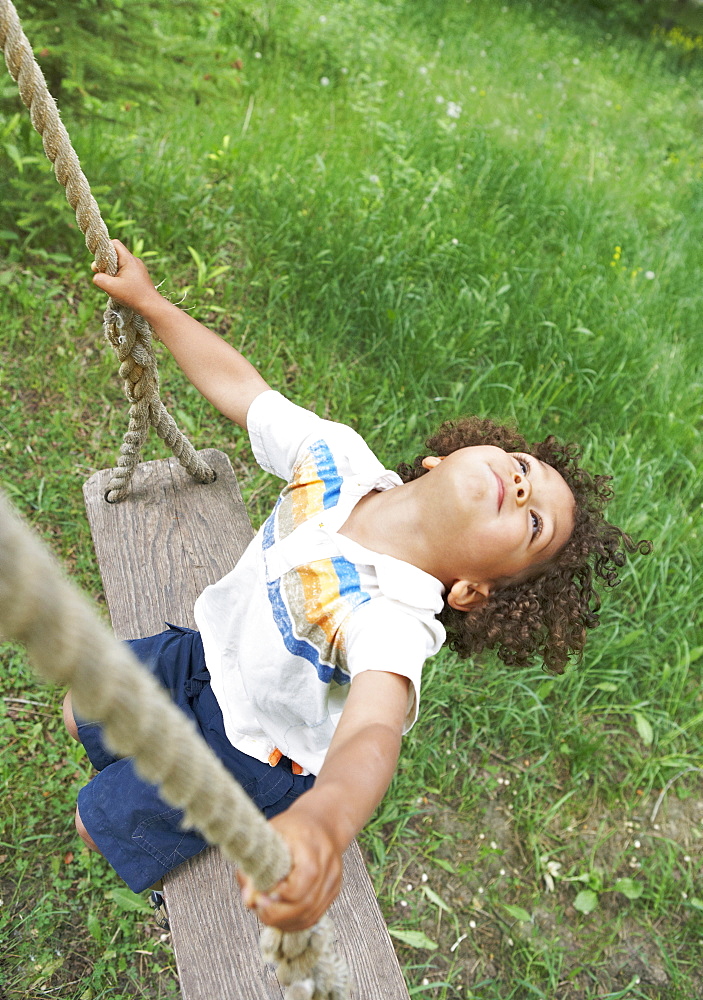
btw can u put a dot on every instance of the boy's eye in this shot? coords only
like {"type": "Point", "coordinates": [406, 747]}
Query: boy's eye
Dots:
{"type": "Point", "coordinates": [536, 524]}
{"type": "Point", "coordinates": [524, 465]}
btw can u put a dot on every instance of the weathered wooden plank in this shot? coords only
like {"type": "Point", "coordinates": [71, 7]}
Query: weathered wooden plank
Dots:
{"type": "Point", "coordinates": [157, 550]}
{"type": "Point", "coordinates": [168, 540]}
{"type": "Point", "coordinates": [208, 918]}
{"type": "Point", "coordinates": [211, 927]}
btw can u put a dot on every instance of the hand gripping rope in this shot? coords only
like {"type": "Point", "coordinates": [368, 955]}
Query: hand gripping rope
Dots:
{"type": "Point", "coordinates": [69, 645]}
{"type": "Point", "coordinates": [40, 609]}
{"type": "Point", "coordinates": [127, 331]}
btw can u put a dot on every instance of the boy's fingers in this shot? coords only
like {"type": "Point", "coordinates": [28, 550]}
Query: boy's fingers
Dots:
{"type": "Point", "coordinates": [251, 897]}
{"type": "Point", "coordinates": [122, 255]}
{"type": "Point", "coordinates": [298, 904]}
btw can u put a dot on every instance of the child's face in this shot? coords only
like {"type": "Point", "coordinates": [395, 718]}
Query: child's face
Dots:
{"type": "Point", "coordinates": [506, 513]}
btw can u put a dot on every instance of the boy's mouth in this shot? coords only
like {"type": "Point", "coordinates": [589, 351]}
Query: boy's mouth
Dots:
{"type": "Point", "coordinates": [501, 488]}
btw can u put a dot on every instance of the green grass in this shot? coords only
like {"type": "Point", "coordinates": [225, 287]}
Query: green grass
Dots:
{"type": "Point", "coordinates": [536, 258]}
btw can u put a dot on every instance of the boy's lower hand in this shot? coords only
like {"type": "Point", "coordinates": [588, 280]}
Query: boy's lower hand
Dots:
{"type": "Point", "coordinates": [315, 878]}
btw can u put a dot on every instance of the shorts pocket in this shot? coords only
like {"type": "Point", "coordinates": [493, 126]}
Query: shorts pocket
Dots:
{"type": "Point", "coordinates": [162, 837]}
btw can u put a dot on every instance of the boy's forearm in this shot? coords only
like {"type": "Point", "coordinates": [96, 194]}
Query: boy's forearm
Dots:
{"type": "Point", "coordinates": [216, 369]}
{"type": "Point", "coordinates": [352, 782]}
{"type": "Point", "coordinates": [362, 756]}
{"type": "Point", "coordinates": [321, 824]}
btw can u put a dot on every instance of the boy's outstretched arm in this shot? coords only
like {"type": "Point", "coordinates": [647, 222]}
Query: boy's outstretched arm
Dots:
{"type": "Point", "coordinates": [214, 367]}
{"type": "Point", "coordinates": [321, 824]}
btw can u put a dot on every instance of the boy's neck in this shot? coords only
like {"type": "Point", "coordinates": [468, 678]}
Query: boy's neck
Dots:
{"type": "Point", "coordinates": [391, 522]}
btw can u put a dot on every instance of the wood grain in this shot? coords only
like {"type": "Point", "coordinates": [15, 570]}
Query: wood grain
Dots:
{"type": "Point", "coordinates": [157, 550]}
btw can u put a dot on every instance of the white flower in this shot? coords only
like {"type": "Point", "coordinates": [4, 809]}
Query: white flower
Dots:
{"type": "Point", "coordinates": [455, 242]}
{"type": "Point", "coordinates": [460, 939]}
{"type": "Point", "coordinates": [324, 81]}
{"type": "Point", "coordinates": [439, 99]}
{"type": "Point", "coordinates": [576, 61]}
{"type": "Point", "coordinates": [374, 179]}
{"type": "Point", "coordinates": [257, 55]}
{"type": "Point", "coordinates": [323, 19]}
{"type": "Point", "coordinates": [423, 70]}
{"type": "Point", "coordinates": [344, 70]}
{"type": "Point", "coordinates": [453, 109]}
{"type": "Point", "coordinates": [650, 275]}
{"type": "Point", "coordinates": [472, 924]}
{"type": "Point", "coordinates": [551, 873]}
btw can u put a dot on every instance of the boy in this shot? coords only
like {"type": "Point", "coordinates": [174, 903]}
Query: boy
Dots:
{"type": "Point", "coordinates": [309, 653]}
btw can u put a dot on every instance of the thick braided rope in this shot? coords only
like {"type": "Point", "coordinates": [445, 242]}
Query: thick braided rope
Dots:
{"type": "Point", "coordinates": [121, 325]}
{"type": "Point", "coordinates": [69, 645]}
{"type": "Point", "coordinates": [130, 336]}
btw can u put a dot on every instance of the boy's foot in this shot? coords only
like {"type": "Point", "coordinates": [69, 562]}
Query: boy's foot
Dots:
{"type": "Point", "coordinates": [159, 906]}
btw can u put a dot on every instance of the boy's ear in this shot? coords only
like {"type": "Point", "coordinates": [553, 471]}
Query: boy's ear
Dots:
{"type": "Point", "coordinates": [463, 596]}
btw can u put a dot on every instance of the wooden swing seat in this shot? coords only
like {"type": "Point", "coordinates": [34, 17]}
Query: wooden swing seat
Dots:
{"type": "Point", "coordinates": [157, 550]}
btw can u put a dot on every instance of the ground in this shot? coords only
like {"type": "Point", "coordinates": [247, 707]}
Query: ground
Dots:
{"type": "Point", "coordinates": [500, 904]}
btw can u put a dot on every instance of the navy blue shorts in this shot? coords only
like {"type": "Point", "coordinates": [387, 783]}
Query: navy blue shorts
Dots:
{"type": "Point", "coordinates": [135, 830]}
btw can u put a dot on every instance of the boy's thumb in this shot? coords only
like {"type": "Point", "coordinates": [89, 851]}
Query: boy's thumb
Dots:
{"type": "Point", "coordinates": [103, 281]}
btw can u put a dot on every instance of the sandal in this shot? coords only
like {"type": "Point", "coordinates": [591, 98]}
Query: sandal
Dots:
{"type": "Point", "coordinates": [158, 905]}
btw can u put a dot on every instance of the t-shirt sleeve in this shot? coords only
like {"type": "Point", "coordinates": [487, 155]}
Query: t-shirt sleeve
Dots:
{"type": "Point", "coordinates": [280, 431]}
{"type": "Point", "coordinates": [381, 636]}
{"type": "Point", "coordinates": [277, 431]}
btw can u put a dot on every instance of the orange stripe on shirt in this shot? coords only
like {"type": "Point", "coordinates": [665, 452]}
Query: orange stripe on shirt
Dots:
{"type": "Point", "coordinates": [324, 605]}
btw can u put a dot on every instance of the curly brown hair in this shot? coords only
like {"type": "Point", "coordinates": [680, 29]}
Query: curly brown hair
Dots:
{"type": "Point", "coordinates": [547, 614]}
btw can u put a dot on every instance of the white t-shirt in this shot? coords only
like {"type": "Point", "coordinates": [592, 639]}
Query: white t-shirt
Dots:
{"type": "Point", "coordinates": [306, 609]}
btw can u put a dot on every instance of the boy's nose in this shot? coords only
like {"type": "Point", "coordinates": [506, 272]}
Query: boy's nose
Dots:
{"type": "Point", "coordinates": [523, 488]}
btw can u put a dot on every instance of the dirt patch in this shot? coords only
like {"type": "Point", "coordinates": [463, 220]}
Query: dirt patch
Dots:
{"type": "Point", "coordinates": [502, 903]}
